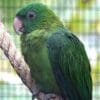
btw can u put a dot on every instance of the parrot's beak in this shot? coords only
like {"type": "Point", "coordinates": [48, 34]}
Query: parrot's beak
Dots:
{"type": "Point", "coordinates": [18, 25]}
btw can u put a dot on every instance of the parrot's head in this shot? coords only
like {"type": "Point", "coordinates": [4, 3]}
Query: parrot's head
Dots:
{"type": "Point", "coordinates": [33, 17]}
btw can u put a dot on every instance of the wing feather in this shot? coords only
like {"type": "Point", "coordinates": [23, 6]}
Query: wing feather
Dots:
{"type": "Point", "coordinates": [70, 65]}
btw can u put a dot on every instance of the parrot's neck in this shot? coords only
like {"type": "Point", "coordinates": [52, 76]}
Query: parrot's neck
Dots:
{"type": "Point", "coordinates": [45, 31]}
{"type": "Point", "coordinates": [38, 36]}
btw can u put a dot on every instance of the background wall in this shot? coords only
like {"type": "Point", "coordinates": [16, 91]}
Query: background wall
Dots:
{"type": "Point", "coordinates": [82, 17]}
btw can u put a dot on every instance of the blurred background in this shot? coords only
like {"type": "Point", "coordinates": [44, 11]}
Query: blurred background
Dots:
{"type": "Point", "coordinates": [82, 17]}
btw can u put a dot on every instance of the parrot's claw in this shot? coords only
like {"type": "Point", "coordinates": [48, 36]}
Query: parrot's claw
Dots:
{"type": "Point", "coordinates": [42, 96]}
{"type": "Point", "coordinates": [50, 96]}
{"type": "Point", "coordinates": [33, 97]}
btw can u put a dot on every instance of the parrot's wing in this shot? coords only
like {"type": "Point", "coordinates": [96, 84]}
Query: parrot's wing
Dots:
{"type": "Point", "coordinates": [70, 66]}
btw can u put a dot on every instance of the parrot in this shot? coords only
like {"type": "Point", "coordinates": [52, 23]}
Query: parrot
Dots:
{"type": "Point", "coordinates": [56, 57]}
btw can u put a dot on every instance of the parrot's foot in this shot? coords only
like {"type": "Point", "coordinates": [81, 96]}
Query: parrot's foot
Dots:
{"type": "Point", "coordinates": [35, 96]}
{"type": "Point", "coordinates": [42, 96]}
{"type": "Point", "coordinates": [52, 97]}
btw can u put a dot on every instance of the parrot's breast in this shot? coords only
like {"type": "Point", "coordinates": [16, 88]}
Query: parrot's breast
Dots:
{"type": "Point", "coordinates": [41, 70]}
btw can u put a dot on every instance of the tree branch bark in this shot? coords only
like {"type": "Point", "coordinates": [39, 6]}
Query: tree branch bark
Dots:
{"type": "Point", "coordinates": [20, 66]}
{"type": "Point", "coordinates": [16, 59]}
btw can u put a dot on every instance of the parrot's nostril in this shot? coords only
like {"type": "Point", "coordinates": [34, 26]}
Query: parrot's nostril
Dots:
{"type": "Point", "coordinates": [21, 29]}
{"type": "Point", "coordinates": [18, 25]}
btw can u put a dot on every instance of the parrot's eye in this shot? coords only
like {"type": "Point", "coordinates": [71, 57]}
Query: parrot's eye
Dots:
{"type": "Point", "coordinates": [31, 15]}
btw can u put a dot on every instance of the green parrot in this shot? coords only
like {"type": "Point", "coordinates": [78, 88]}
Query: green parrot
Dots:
{"type": "Point", "coordinates": [56, 57]}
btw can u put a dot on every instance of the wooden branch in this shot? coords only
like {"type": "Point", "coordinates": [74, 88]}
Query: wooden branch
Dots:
{"type": "Point", "coordinates": [20, 66]}
{"type": "Point", "coordinates": [16, 59]}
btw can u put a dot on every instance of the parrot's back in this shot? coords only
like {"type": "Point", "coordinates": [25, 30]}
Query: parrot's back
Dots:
{"type": "Point", "coordinates": [59, 64]}
{"type": "Point", "coordinates": [70, 65]}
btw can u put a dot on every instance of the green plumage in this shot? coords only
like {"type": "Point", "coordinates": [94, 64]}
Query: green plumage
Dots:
{"type": "Point", "coordinates": [57, 59]}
